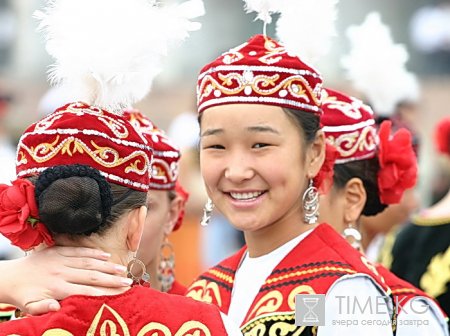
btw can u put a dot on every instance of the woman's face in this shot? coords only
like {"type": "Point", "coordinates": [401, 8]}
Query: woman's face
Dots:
{"type": "Point", "coordinates": [157, 223]}
{"type": "Point", "coordinates": [252, 160]}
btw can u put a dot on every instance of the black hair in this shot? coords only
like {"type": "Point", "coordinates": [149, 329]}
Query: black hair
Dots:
{"type": "Point", "coordinates": [367, 171]}
{"type": "Point", "coordinates": [77, 200]}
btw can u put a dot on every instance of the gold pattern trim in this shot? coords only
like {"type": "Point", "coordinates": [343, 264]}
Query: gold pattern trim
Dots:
{"type": "Point", "coordinates": [221, 275]}
{"type": "Point", "coordinates": [434, 281]}
{"type": "Point", "coordinates": [295, 85]}
{"type": "Point", "coordinates": [107, 324]}
{"type": "Point", "coordinates": [119, 327]}
{"type": "Point", "coordinates": [204, 291]}
{"type": "Point", "coordinates": [348, 143]}
{"type": "Point", "coordinates": [423, 221]}
{"type": "Point", "coordinates": [310, 271]}
{"type": "Point", "coordinates": [269, 303]}
{"type": "Point", "coordinates": [104, 156]}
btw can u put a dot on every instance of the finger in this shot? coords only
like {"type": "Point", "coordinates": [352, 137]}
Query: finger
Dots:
{"type": "Point", "coordinates": [95, 278]}
{"type": "Point", "coordinates": [42, 307]}
{"type": "Point", "coordinates": [95, 265]}
{"type": "Point", "coordinates": [82, 252]}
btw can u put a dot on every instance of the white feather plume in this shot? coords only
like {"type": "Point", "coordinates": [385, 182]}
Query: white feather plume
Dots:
{"type": "Point", "coordinates": [305, 27]}
{"type": "Point", "coordinates": [109, 51]}
{"type": "Point", "coordinates": [264, 8]}
{"type": "Point", "coordinates": [377, 66]}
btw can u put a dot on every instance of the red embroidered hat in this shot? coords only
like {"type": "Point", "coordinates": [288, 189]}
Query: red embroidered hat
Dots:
{"type": "Point", "coordinates": [349, 125]}
{"type": "Point", "coordinates": [259, 71]}
{"type": "Point", "coordinates": [83, 134]}
{"type": "Point", "coordinates": [164, 166]}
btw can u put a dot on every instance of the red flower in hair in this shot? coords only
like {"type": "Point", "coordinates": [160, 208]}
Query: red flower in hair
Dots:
{"type": "Point", "coordinates": [184, 196]}
{"type": "Point", "coordinates": [442, 136]}
{"type": "Point", "coordinates": [19, 216]}
{"type": "Point", "coordinates": [324, 179]}
{"type": "Point", "coordinates": [398, 165]}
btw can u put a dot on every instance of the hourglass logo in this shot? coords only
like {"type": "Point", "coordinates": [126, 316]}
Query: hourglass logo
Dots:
{"type": "Point", "coordinates": [310, 310]}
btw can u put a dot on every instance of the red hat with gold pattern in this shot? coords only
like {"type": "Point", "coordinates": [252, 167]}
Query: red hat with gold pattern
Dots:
{"type": "Point", "coordinates": [164, 166]}
{"type": "Point", "coordinates": [260, 71]}
{"type": "Point", "coordinates": [349, 125]}
{"type": "Point", "coordinates": [78, 133]}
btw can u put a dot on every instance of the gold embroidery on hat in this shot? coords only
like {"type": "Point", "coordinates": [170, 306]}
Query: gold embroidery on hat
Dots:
{"type": "Point", "coordinates": [347, 144]}
{"type": "Point", "coordinates": [273, 54]}
{"type": "Point", "coordinates": [104, 156]}
{"type": "Point", "coordinates": [296, 85]}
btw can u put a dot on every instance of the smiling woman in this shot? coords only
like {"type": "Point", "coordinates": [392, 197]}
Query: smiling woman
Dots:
{"type": "Point", "coordinates": [263, 158]}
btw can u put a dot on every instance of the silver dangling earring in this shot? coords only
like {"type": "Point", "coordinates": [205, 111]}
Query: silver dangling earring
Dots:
{"type": "Point", "coordinates": [352, 236]}
{"type": "Point", "coordinates": [311, 204]}
{"type": "Point", "coordinates": [139, 276]}
{"type": "Point", "coordinates": [207, 212]}
{"type": "Point", "coordinates": [166, 272]}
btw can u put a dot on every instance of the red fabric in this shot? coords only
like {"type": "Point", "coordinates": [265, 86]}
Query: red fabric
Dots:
{"type": "Point", "coordinates": [324, 179]}
{"type": "Point", "coordinates": [349, 126]}
{"type": "Point", "coordinates": [184, 196]}
{"type": "Point", "coordinates": [79, 133]}
{"type": "Point", "coordinates": [259, 71]}
{"type": "Point", "coordinates": [166, 156]}
{"type": "Point", "coordinates": [311, 267]}
{"type": "Point", "coordinates": [402, 290]}
{"type": "Point", "coordinates": [398, 164]}
{"type": "Point", "coordinates": [442, 136]}
{"type": "Point", "coordinates": [19, 216]}
{"type": "Point", "coordinates": [139, 311]}
{"type": "Point", "coordinates": [177, 288]}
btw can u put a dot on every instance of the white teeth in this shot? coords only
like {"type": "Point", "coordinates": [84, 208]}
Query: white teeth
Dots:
{"type": "Point", "coordinates": [245, 196]}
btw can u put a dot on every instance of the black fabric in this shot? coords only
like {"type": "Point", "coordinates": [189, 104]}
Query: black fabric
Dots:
{"type": "Point", "coordinates": [413, 251]}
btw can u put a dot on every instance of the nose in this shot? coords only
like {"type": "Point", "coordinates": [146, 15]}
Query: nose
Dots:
{"type": "Point", "coordinates": [239, 168]}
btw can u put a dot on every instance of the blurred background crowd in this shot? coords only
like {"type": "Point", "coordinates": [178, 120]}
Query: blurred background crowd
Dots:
{"type": "Point", "coordinates": [423, 26]}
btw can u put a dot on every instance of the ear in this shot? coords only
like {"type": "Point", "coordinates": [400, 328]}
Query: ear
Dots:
{"type": "Point", "coordinates": [315, 155]}
{"type": "Point", "coordinates": [136, 221]}
{"type": "Point", "coordinates": [355, 198]}
{"type": "Point", "coordinates": [175, 208]}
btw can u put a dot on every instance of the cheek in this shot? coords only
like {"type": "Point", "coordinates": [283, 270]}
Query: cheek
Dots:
{"type": "Point", "coordinates": [211, 169]}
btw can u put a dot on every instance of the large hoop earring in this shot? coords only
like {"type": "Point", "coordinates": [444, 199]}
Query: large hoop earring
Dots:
{"type": "Point", "coordinates": [207, 212]}
{"type": "Point", "coordinates": [137, 272]}
{"type": "Point", "coordinates": [352, 236]}
{"type": "Point", "coordinates": [166, 272]}
{"type": "Point", "coordinates": [311, 204]}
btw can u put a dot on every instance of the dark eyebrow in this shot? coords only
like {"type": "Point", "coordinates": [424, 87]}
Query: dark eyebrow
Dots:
{"type": "Point", "coordinates": [213, 131]}
{"type": "Point", "coordinates": [263, 129]}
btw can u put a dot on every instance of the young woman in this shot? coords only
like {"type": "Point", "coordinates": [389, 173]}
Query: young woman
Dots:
{"type": "Point", "coordinates": [370, 173]}
{"type": "Point", "coordinates": [262, 158]}
{"type": "Point", "coordinates": [70, 190]}
{"type": "Point", "coordinates": [166, 199]}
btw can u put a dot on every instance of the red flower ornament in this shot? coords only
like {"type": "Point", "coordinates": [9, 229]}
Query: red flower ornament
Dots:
{"type": "Point", "coordinates": [19, 216]}
{"type": "Point", "coordinates": [398, 164]}
{"type": "Point", "coordinates": [324, 179]}
{"type": "Point", "coordinates": [184, 196]}
{"type": "Point", "coordinates": [442, 136]}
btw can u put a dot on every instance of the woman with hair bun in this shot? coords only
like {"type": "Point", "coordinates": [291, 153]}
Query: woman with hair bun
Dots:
{"type": "Point", "coordinates": [82, 180]}
{"type": "Point", "coordinates": [371, 172]}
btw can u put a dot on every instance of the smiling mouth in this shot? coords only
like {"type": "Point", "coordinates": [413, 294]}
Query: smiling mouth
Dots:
{"type": "Point", "coordinates": [246, 196]}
